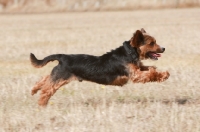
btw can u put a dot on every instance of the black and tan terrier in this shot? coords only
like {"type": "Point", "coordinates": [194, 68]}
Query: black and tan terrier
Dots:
{"type": "Point", "coordinates": [113, 68]}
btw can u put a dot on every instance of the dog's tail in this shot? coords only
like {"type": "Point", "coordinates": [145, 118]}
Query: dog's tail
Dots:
{"type": "Point", "coordinates": [40, 63]}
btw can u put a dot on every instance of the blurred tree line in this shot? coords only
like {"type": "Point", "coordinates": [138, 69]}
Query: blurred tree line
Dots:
{"type": "Point", "coordinates": [90, 5]}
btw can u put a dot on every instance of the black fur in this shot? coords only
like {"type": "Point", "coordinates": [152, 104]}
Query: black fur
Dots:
{"type": "Point", "coordinates": [100, 69]}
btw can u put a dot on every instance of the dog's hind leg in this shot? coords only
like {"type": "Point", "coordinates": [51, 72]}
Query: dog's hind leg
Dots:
{"type": "Point", "coordinates": [39, 85]}
{"type": "Point", "coordinates": [50, 88]}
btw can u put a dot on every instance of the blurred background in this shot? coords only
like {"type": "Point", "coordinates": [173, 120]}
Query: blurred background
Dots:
{"type": "Point", "coordinates": [41, 6]}
{"type": "Point", "coordinates": [46, 27]}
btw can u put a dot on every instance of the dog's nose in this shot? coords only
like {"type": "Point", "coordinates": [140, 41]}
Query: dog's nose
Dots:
{"type": "Point", "coordinates": [163, 49]}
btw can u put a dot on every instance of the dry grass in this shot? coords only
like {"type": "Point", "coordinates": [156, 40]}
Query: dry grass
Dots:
{"type": "Point", "coordinates": [172, 106]}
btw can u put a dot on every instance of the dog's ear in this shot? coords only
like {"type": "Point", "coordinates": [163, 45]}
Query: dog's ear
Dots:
{"type": "Point", "coordinates": [137, 39]}
{"type": "Point", "coordinates": [143, 31]}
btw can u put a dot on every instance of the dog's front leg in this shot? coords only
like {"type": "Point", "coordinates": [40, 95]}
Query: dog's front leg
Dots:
{"type": "Point", "coordinates": [150, 75]}
{"type": "Point", "coordinates": [162, 76]}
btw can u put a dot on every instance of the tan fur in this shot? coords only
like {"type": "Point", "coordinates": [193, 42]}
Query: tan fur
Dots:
{"type": "Point", "coordinates": [139, 76]}
{"type": "Point", "coordinates": [120, 81]}
{"type": "Point", "coordinates": [48, 88]}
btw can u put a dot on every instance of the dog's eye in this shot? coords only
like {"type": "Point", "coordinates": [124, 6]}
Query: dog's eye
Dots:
{"type": "Point", "coordinates": [152, 43]}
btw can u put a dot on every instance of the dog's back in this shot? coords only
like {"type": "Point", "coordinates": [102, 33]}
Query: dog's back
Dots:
{"type": "Point", "coordinates": [100, 69]}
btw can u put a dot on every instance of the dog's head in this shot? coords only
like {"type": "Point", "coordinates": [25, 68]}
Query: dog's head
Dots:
{"type": "Point", "coordinates": [146, 45]}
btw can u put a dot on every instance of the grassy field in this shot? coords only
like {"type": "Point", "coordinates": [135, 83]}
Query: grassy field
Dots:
{"type": "Point", "coordinates": [171, 106]}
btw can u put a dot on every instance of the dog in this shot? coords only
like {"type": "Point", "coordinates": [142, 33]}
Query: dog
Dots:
{"type": "Point", "coordinates": [116, 67]}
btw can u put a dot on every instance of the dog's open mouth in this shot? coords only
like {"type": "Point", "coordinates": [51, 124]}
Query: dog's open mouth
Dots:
{"type": "Point", "coordinates": [153, 55]}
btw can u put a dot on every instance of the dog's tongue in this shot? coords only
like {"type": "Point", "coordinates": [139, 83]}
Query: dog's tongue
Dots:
{"type": "Point", "coordinates": [156, 55]}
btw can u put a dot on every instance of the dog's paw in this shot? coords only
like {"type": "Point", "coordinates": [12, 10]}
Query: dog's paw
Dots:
{"type": "Point", "coordinates": [33, 92]}
{"type": "Point", "coordinates": [165, 76]}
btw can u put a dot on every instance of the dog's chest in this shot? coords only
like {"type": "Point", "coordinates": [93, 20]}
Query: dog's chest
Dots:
{"type": "Point", "coordinates": [120, 80]}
